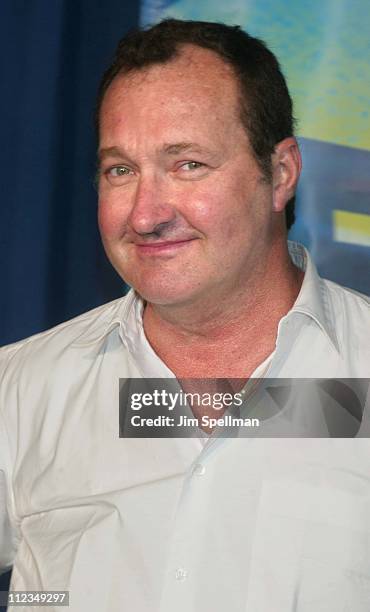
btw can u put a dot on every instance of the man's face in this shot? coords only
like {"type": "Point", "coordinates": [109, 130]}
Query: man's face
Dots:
{"type": "Point", "coordinates": [184, 210]}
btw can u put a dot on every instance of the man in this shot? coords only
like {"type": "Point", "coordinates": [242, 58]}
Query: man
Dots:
{"type": "Point", "coordinates": [198, 163]}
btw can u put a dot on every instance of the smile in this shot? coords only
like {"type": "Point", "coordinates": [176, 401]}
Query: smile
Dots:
{"type": "Point", "coordinates": [162, 248]}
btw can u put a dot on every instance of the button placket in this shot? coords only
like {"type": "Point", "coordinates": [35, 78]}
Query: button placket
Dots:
{"type": "Point", "coordinates": [199, 469]}
{"type": "Point", "coordinates": [181, 574]}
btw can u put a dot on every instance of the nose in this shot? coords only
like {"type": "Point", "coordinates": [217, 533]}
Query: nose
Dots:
{"type": "Point", "coordinates": [151, 211]}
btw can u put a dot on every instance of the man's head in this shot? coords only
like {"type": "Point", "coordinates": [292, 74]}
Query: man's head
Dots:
{"type": "Point", "coordinates": [188, 195]}
{"type": "Point", "coordinates": [266, 109]}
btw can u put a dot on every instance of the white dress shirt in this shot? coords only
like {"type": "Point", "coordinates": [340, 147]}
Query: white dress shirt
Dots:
{"type": "Point", "coordinates": [164, 525]}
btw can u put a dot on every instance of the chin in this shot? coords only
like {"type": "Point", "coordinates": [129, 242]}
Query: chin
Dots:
{"type": "Point", "coordinates": [162, 287]}
{"type": "Point", "coordinates": [165, 295]}
{"type": "Point", "coordinates": [162, 298]}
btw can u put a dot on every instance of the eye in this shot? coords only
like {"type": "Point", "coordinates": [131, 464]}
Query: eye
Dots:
{"type": "Point", "coordinates": [118, 171]}
{"type": "Point", "coordinates": [118, 175]}
{"type": "Point", "coordinates": [192, 170]}
{"type": "Point", "coordinates": [191, 165]}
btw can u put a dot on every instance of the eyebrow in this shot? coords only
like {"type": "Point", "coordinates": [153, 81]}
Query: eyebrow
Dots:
{"type": "Point", "coordinates": [181, 147]}
{"type": "Point", "coordinates": [168, 149]}
{"type": "Point", "coordinates": [110, 152]}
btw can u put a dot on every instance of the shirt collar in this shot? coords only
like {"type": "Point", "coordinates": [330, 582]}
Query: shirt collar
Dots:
{"type": "Point", "coordinates": [313, 298]}
{"type": "Point", "coordinates": [126, 313]}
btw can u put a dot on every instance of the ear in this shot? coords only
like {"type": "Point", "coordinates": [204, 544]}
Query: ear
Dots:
{"type": "Point", "coordinates": [286, 168]}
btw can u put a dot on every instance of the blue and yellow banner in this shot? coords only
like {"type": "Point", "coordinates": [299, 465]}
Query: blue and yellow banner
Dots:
{"type": "Point", "coordinates": [324, 50]}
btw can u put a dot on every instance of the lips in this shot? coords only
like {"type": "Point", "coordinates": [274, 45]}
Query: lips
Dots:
{"type": "Point", "coordinates": [163, 247]}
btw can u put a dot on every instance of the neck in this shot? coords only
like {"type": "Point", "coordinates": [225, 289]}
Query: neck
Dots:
{"type": "Point", "coordinates": [226, 335]}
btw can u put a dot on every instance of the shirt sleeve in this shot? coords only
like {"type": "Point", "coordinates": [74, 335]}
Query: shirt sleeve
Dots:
{"type": "Point", "coordinates": [8, 537]}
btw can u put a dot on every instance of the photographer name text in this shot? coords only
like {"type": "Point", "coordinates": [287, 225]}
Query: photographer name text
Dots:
{"type": "Point", "coordinates": [185, 421]}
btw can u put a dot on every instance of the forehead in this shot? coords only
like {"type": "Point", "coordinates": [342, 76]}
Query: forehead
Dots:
{"type": "Point", "coordinates": [196, 81]}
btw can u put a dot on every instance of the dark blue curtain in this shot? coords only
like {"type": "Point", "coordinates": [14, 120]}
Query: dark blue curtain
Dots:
{"type": "Point", "coordinates": [52, 55]}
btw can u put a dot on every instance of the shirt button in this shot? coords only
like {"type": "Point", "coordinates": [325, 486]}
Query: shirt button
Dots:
{"type": "Point", "coordinates": [199, 469]}
{"type": "Point", "coordinates": [181, 574]}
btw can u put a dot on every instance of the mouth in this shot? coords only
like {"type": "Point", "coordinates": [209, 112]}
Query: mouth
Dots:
{"type": "Point", "coordinates": [168, 247]}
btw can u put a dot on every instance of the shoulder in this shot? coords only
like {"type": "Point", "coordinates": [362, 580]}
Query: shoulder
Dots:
{"type": "Point", "coordinates": [44, 348]}
{"type": "Point", "coordinates": [350, 313]}
{"type": "Point", "coordinates": [348, 302]}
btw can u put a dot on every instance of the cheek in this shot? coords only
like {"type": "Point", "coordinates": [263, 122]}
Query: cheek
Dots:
{"type": "Point", "coordinates": [109, 220]}
{"type": "Point", "coordinates": [221, 218]}
{"type": "Point", "coordinates": [208, 208]}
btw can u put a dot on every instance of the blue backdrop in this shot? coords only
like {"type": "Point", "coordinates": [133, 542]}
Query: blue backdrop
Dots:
{"type": "Point", "coordinates": [53, 53]}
